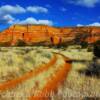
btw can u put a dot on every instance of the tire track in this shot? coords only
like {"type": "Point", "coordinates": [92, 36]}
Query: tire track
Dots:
{"type": "Point", "coordinates": [55, 81]}
{"type": "Point", "coordinates": [13, 83]}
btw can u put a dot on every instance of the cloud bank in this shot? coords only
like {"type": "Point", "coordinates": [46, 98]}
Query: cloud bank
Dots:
{"type": "Point", "coordinates": [7, 11]}
{"type": "Point", "coordinates": [93, 24]}
{"type": "Point", "coordinates": [37, 9]}
{"type": "Point", "coordinates": [85, 3]}
{"type": "Point", "coordinates": [32, 20]}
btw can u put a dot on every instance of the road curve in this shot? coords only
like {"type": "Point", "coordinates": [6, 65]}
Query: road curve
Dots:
{"type": "Point", "coordinates": [53, 84]}
{"type": "Point", "coordinates": [13, 83]}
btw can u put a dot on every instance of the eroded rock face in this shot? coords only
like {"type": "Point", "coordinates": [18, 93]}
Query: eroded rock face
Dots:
{"type": "Point", "coordinates": [32, 34]}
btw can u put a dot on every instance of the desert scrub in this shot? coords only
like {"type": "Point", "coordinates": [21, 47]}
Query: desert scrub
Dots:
{"type": "Point", "coordinates": [46, 54]}
{"type": "Point", "coordinates": [18, 62]}
{"type": "Point", "coordinates": [30, 59]}
{"type": "Point", "coordinates": [96, 50]}
{"type": "Point", "coordinates": [21, 43]}
{"type": "Point", "coordinates": [82, 54]}
{"type": "Point", "coordinates": [40, 57]}
{"type": "Point", "coordinates": [79, 85]}
{"type": "Point", "coordinates": [35, 83]}
{"type": "Point", "coordinates": [3, 50]}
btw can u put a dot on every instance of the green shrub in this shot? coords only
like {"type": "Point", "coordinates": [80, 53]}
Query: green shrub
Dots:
{"type": "Point", "coordinates": [96, 50]}
{"type": "Point", "coordinates": [90, 49]}
{"type": "Point", "coordinates": [84, 44]}
{"type": "Point", "coordinates": [21, 43]}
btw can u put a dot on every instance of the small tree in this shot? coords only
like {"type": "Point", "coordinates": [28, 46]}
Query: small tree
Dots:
{"type": "Point", "coordinates": [21, 43]}
{"type": "Point", "coordinates": [84, 44]}
{"type": "Point", "coordinates": [96, 50]}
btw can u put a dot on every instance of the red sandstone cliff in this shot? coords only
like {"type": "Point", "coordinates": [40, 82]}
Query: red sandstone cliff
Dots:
{"type": "Point", "coordinates": [32, 34]}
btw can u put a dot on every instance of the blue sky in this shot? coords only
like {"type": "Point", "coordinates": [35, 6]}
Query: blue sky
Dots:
{"type": "Point", "coordinates": [50, 12]}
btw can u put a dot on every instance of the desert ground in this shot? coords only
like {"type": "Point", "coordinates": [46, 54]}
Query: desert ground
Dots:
{"type": "Point", "coordinates": [16, 61]}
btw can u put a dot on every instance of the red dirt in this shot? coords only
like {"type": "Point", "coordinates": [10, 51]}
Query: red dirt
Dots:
{"type": "Point", "coordinates": [53, 84]}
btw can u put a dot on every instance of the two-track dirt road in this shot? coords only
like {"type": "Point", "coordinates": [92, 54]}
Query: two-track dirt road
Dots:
{"type": "Point", "coordinates": [42, 81]}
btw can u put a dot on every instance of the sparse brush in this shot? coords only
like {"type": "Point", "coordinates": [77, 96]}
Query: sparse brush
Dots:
{"type": "Point", "coordinates": [18, 61]}
{"type": "Point", "coordinates": [47, 55]}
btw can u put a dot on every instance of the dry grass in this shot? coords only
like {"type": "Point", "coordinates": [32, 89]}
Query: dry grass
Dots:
{"type": "Point", "coordinates": [23, 90]}
{"type": "Point", "coordinates": [78, 86]}
{"type": "Point", "coordinates": [16, 61]}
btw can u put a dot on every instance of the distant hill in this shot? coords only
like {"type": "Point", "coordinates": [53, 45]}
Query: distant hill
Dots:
{"type": "Point", "coordinates": [46, 35]}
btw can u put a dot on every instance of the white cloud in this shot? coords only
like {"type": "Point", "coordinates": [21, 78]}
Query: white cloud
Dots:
{"type": "Point", "coordinates": [79, 25]}
{"type": "Point", "coordinates": [86, 3]}
{"type": "Point", "coordinates": [93, 24]}
{"type": "Point", "coordinates": [6, 12]}
{"type": "Point", "coordinates": [37, 9]}
{"type": "Point", "coordinates": [8, 9]}
{"type": "Point", "coordinates": [7, 19]}
{"type": "Point", "coordinates": [32, 20]}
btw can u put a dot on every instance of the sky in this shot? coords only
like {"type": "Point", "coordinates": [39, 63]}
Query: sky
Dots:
{"type": "Point", "coordinates": [59, 13]}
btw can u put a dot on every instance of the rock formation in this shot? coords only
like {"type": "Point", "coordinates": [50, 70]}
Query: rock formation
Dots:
{"type": "Point", "coordinates": [34, 34]}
